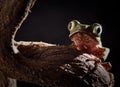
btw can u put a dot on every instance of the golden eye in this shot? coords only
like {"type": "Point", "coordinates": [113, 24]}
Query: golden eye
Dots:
{"type": "Point", "coordinates": [73, 24]}
{"type": "Point", "coordinates": [97, 29]}
{"type": "Point", "coordinates": [70, 26]}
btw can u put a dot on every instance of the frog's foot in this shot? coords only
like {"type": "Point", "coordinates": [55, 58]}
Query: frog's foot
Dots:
{"type": "Point", "coordinates": [106, 65]}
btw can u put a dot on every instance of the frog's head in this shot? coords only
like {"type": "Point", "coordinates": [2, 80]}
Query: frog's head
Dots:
{"type": "Point", "coordinates": [87, 38]}
{"type": "Point", "coordinates": [94, 30]}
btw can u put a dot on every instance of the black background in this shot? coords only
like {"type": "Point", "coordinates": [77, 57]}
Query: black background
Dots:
{"type": "Point", "coordinates": [49, 18]}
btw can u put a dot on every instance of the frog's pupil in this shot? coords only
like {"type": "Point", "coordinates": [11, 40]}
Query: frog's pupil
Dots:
{"type": "Point", "coordinates": [98, 30]}
{"type": "Point", "coordinates": [69, 26]}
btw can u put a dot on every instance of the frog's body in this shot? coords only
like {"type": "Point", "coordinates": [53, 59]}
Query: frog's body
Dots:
{"type": "Point", "coordinates": [87, 38]}
{"type": "Point", "coordinates": [86, 44]}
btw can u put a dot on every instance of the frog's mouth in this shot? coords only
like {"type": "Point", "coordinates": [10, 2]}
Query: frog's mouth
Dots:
{"type": "Point", "coordinates": [87, 44]}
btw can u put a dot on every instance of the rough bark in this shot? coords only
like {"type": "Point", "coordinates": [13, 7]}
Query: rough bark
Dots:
{"type": "Point", "coordinates": [40, 63]}
{"type": "Point", "coordinates": [3, 80]}
{"type": "Point", "coordinates": [7, 82]}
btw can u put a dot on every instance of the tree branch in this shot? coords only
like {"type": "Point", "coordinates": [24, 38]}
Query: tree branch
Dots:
{"type": "Point", "coordinates": [41, 63]}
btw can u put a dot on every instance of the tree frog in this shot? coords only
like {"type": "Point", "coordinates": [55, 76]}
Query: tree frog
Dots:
{"type": "Point", "coordinates": [87, 38]}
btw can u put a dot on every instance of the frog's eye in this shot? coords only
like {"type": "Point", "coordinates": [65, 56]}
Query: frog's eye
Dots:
{"type": "Point", "coordinates": [97, 29]}
{"type": "Point", "coordinates": [73, 24]}
{"type": "Point", "coordinates": [70, 25]}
